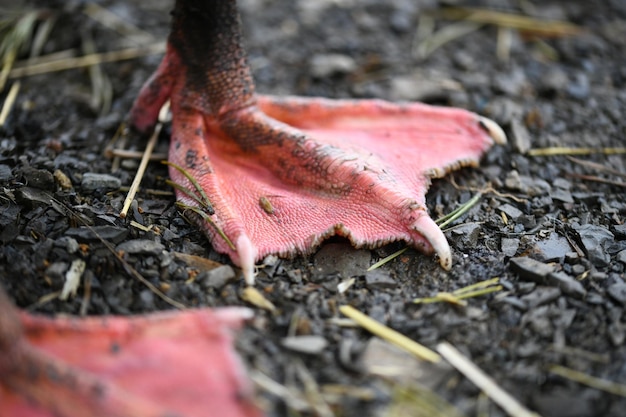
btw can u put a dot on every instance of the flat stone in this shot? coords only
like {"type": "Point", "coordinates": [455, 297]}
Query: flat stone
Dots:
{"type": "Point", "coordinates": [511, 212]}
{"type": "Point", "coordinates": [595, 240]}
{"type": "Point", "coordinates": [38, 178]}
{"type": "Point", "coordinates": [5, 173]}
{"type": "Point", "coordinates": [342, 259]}
{"type": "Point", "coordinates": [620, 231]}
{"type": "Point", "coordinates": [567, 284]}
{"type": "Point", "coordinates": [617, 292]}
{"type": "Point", "coordinates": [325, 65]}
{"type": "Point", "coordinates": [520, 137]}
{"type": "Point", "coordinates": [217, 277]}
{"type": "Point", "coordinates": [541, 296]}
{"type": "Point", "coordinates": [92, 181]}
{"type": "Point", "coordinates": [562, 195]}
{"type": "Point", "coordinates": [141, 246]}
{"type": "Point", "coordinates": [85, 234]}
{"type": "Point", "coordinates": [33, 197]}
{"type": "Point", "coordinates": [554, 248]}
{"type": "Point", "coordinates": [509, 246]}
{"type": "Point", "coordinates": [309, 344]}
{"type": "Point", "coordinates": [467, 234]}
{"type": "Point", "coordinates": [530, 269]}
{"type": "Point", "coordinates": [621, 256]}
{"type": "Point", "coordinates": [378, 279]}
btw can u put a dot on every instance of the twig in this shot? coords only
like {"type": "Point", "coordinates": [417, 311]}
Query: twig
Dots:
{"type": "Point", "coordinates": [144, 161]}
{"type": "Point", "coordinates": [390, 335]}
{"type": "Point", "coordinates": [9, 102]}
{"type": "Point", "coordinates": [590, 381]}
{"type": "Point", "coordinates": [563, 150]}
{"type": "Point", "coordinates": [472, 372]}
{"type": "Point", "coordinates": [87, 60]}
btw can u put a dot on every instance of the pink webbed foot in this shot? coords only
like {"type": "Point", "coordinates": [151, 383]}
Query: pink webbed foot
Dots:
{"type": "Point", "coordinates": [285, 173]}
{"type": "Point", "coordinates": [175, 364]}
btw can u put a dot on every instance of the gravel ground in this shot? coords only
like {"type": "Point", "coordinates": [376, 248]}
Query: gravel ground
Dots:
{"type": "Point", "coordinates": [551, 228]}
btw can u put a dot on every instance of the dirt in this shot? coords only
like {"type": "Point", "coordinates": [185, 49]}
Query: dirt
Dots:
{"type": "Point", "coordinates": [565, 214]}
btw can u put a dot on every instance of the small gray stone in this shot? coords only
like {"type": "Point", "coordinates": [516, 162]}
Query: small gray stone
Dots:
{"type": "Point", "coordinates": [342, 259]}
{"type": "Point", "coordinates": [55, 272]}
{"type": "Point", "coordinates": [616, 333]}
{"type": "Point", "coordinates": [309, 344]}
{"type": "Point", "coordinates": [520, 137]}
{"type": "Point", "coordinates": [530, 269]}
{"type": "Point", "coordinates": [68, 243]}
{"type": "Point", "coordinates": [617, 292]}
{"type": "Point", "coordinates": [33, 197]}
{"type": "Point", "coordinates": [509, 246]}
{"type": "Point", "coordinates": [621, 256]}
{"type": "Point", "coordinates": [378, 279]}
{"type": "Point", "coordinates": [324, 65]}
{"type": "Point", "coordinates": [93, 234]}
{"type": "Point", "coordinates": [511, 212]}
{"type": "Point", "coordinates": [141, 246]}
{"type": "Point", "coordinates": [541, 296]}
{"type": "Point", "coordinates": [92, 181]}
{"type": "Point", "coordinates": [217, 277]}
{"type": "Point", "coordinates": [468, 234]}
{"type": "Point", "coordinates": [552, 249]}
{"type": "Point", "coordinates": [620, 231]}
{"type": "Point", "coordinates": [5, 173]}
{"type": "Point", "coordinates": [39, 178]}
{"type": "Point", "coordinates": [562, 195]}
{"type": "Point", "coordinates": [595, 239]}
{"type": "Point", "coordinates": [567, 284]}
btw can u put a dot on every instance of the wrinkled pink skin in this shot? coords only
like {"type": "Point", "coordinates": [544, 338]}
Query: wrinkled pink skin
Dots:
{"type": "Point", "coordinates": [373, 164]}
{"type": "Point", "coordinates": [285, 173]}
{"type": "Point", "coordinates": [168, 364]}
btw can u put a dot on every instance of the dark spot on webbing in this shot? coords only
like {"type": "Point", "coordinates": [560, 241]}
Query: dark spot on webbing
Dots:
{"type": "Point", "coordinates": [191, 158]}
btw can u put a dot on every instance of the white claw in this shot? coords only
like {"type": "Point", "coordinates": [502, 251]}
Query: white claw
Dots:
{"type": "Point", "coordinates": [433, 234]}
{"type": "Point", "coordinates": [494, 130]}
{"type": "Point", "coordinates": [247, 255]}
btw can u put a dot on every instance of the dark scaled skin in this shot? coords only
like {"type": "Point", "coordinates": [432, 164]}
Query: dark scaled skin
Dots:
{"type": "Point", "coordinates": [285, 173]}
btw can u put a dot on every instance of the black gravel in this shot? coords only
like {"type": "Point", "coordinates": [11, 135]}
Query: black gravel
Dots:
{"type": "Point", "coordinates": [554, 236]}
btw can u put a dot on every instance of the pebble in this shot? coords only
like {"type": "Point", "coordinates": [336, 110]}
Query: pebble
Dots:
{"type": "Point", "coordinates": [325, 65]}
{"type": "Point", "coordinates": [541, 296]}
{"type": "Point", "coordinates": [5, 173]}
{"type": "Point", "coordinates": [620, 231]}
{"type": "Point", "coordinates": [217, 277]}
{"type": "Point", "coordinates": [467, 234]}
{"type": "Point", "coordinates": [379, 280]}
{"type": "Point", "coordinates": [342, 259]}
{"type": "Point", "coordinates": [69, 244]}
{"type": "Point", "coordinates": [309, 344]}
{"type": "Point", "coordinates": [511, 212]}
{"type": "Point", "coordinates": [621, 256]}
{"type": "Point", "coordinates": [92, 181]}
{"type": "Point", "coordinates": [567, 284]}
{"type": "Point", "coordinates": [520, 137]}
{"type": "Point", "coordinates": [530, 269]}
{"type": "Point", "coordinates": [554, 248]}
{"type": "Point", "coordinates": [33, 197]}
{"type": "Point", "coordinates": [38, 178]}
{"type": "Point", "coordinates": [595, 239]}
{"type": "Point", "coordinates": [84, 234]}
{"type": "Point", "coordinates": [617, 292]}
{"type": "Point", "coordinates": [141, 246]}
{"type": "Point", "coordinates": [509, 246]}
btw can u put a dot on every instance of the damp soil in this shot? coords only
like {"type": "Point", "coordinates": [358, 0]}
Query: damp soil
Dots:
{"type": "Point", "coordinates": [551, 228]}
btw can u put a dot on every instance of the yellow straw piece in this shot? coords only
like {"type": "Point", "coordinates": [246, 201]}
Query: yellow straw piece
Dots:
{"type": "Point", "coordinates": [390, 335]}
